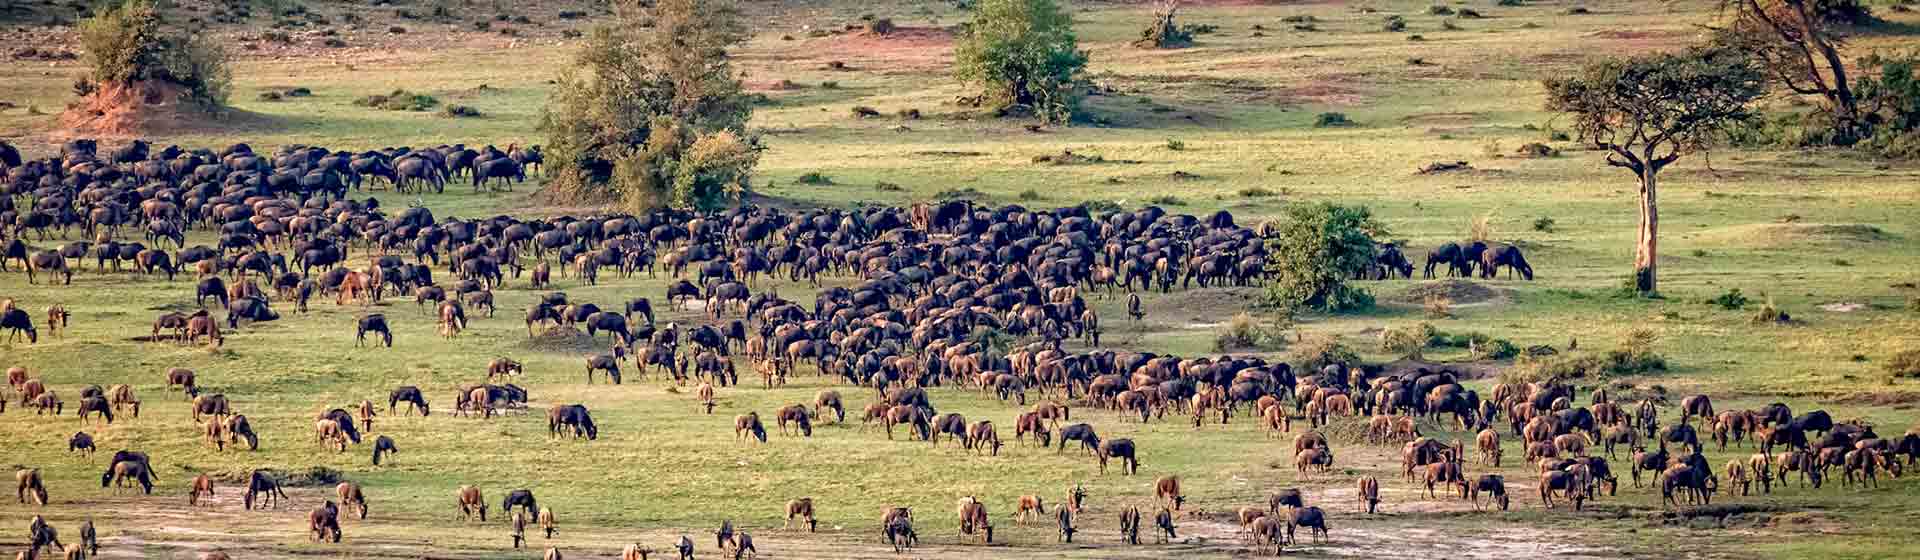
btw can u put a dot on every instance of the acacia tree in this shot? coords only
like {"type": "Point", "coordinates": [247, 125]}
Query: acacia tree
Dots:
{"type": "Point", "coordinates": [1648, 111]}
{"type": "Point", "coordinates": [652, 113]}
{"type": "Point", "coordinates": [1797, 43]}
{"type": "Point", "coordinates": [1022, 53]}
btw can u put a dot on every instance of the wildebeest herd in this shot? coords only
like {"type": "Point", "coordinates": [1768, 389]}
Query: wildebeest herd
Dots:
{"type": "Point", "coordinates": [910, 301]}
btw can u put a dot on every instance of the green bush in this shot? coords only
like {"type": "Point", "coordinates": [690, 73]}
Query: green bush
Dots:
{"type": "Point", "coordinates": [1318, 351]}
{"type": "Point", "coordinates": [1406, 342]}
{"type": "Point", "coordinates": [459, 111]}
{"type": "Point", "coordinates": [1167, 200]}
{"type": "Point", "coordinates": [1543, 224]}
{"type": "Point", "coordinates": [1394, 24]}
{"type": "Point", "coordinates": [1176, 144]}
{"type": "Point", "coordinates": [1022, 53]}
{"type": "Point", "coordinates": [1030, 195]}
{"type": "Point", "coordinates": [399, 100]}
{"type": "Point", "coordinates": [1243, 331]}
{"type": "Point", "coordinates": [1330, 119]}
{"type": "Point", "coordinates": [1733, 300]}
{"type": "Point", "coordinates": [123, 45]}
{"type": "Point", "coordinates": [1439, 10]}
{"type": "Point", "coordinates": [814, 178]}
{"type": "Point", "coordinates": [637, 119]}
{"type": "Point", "coordinates": [1256, 192]}
{"type": "Point", "coordinates": [1317, 249]}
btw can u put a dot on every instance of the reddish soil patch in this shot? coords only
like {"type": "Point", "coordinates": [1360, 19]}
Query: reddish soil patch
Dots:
{"type": "Point", "coordinates": [141, 108]}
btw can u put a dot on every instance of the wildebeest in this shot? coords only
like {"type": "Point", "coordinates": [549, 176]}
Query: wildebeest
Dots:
{"type": "Point", "coordinates": [416, 401]}
{"type": "Point", "coordinates": [1121, 449]}
{"type": "Point", "coordinates": [802, 508]}
{"type": "Point", "coordinates": [324, 521]}
{"type": "Point", "coordinates": [574, 416]}
{"type": "Point", "coordinates": [372, 322]}
{"type": "Point", "coordinates": [471, 502]}
{"type": "Point", "coordinates": [82, 442]}
{"type": "Point", "coordinates": [521, 498]}
{"type": "Point", "coordinates": [264, 487]}
{"type": "Point", "coordinates": [352, 498]}
{"type": "Point", "coordinates": [1494, 486]}
{"type": "Point", "coordinates": [30, 487]}
{"type": "Point", "coordinates": [749, 425]}
{"type": "Point", "coordinates": [383, 447]}
{"type": "Point", "coordinates": [1083, 433]}
{"type": "Point", "coordinates": [974, 519]}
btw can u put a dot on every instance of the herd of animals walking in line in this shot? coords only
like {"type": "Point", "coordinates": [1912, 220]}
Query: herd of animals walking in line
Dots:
{"type": "Point", "coordinates": [908, 291]}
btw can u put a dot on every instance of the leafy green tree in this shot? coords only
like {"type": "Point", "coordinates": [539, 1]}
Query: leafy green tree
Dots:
{"type": "Point", "coordinates": [1023, 54]}
{"type": "Point", "coordinates": [651, 113]}
{"type": "Point", "coordinates": [124, 45]}
{"type": "Point", "coordinates": [1797, 43]}
{"type": "Point", "coordinates": [1648, 111]}
{"type": "Point", "coordinates": [1318, 248]}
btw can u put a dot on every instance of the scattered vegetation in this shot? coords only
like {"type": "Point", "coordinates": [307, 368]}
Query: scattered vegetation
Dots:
{"type": "Point", "coordinates": [1482, 346]}
{"type": "Point", "coordinates": [1543, 224]}
{"type": "Point", "coordinates": [1256, 192]}
{"type": "Point", "coordinates": [1394, 24]}
{"type": "Point", "coordinates": [864, 112]}
{"type": "Point", "coordinates": [1176, 144]}
{"type": "Point", "coordinates": [1167, 200]}
{"type": "Point", "coordinates": [1770, 314]}
{"type": "Point", "coordinates": [814, 178]}
{"type": "Point", "coordinates": [1481, 228]}
{"type": "Point", "coordinates": [1406, 342]}
{"type": "Point", "coordinates": [459, 111]}
{"type": "Point", "coordinates": [1906, 363]}
{"type": "Point", "coordinates": [399, 100]}
{"type": "Point", "coordinates": [1023, 57]}
{"type": "Point", "coordinates": [1317, 249]}
{"type": "Point", "coordinates": [651, 113]}
{"type": "Point", "coordinates": [1438, 307]}
{"type": "Point", "coordinates": [1163, 33]}
{"type": "Point", "coordinates": [1316, 351]}
{"type": "Point", "coordinates": [1243, 332]}
{"type": "Point", "coordinates": [1330, 119]}
{"type": "Point", "coordinates": [123, 44]}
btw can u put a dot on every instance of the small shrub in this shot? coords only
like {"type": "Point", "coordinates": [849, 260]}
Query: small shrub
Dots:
{"type": "Point", "coordinates": [884, 186]}
{"type": "Point", "coordinates": [960, 193]}
{"type": "Point", "coordinates": [299, 92]}
{"type": "Point", "coordinates": [829, 85]}
{"type": "Point", "coordinates": [1176, 144]}
{"type": "Point", "coordinates": [1439, 11]}
{"type": "Point", "coordinates": [1315, 352]}
{"type": "Point", "coordinates": [1510, 3]}
{"type": "Point", "coordinates": [880, 26]}
{"type": "Point", "coordinates": [863, 111]}
{"type": "Point", "coordinates": [397, 30]}
{"type": "Point", "coordinates": [459, 111]}
{"type": "Point", "coordinates": [1331, 119]}
{"type": "Point", "coordinates": [1167, 200]}
{"type": "Point", "coordinates": [1913, 304]}
{"type": "Point", "coordinates": [1543, 224]}
{"type": "Point", "coordinates": [1416, 61]}
{"type": "Point", "coordinates": [399, 100]}
{"type": "Point", "coordinates": [1733, 300]}
{"type": "Point", "coordinates": [269, 96]}
{"type": "Point", "coordinates": [1030, 195]}
{"type": "Point", "coordinates": [1416, 37]}
{"type": "Point", "coordinates": [276, 37]}
{"type": "Point", "coordinates": [1394, 24]}
{"type": "Point", "coordinates": [1577, 11]}
{"type": "Point", "coordinates": [909, 114]}
{"type": "Point", "coordinates": [1256, 192]}
{"type": "Point", "coordinates": [1496, 349]}
{"type": "Point", "coordinates": [1449, 25]}
{"type": "Point", "coordinates": [1699, 253]}
{"type": "Point", "coordinates": [1406, 342]}
{"type": "Point", "coordinates": [1842, 262]}
{"type": "Point", "coordinates": [1243, 332]}
{"type": "Point", "coordinates": [1468, 13]}
{"type": "Point", "coordinates": [1438, 307]}
{"type": "Point", "coordinates": [1299, 18]}
{"type": "Point", "coordinates": [335, 43]}
{"type": "Point", "coordinates": [1536, 149]}
{"type": "Point", "coordinates": [571, 34]}
{"type": "Point", "coordinates": [1904, 364]}
{"type": "Point", "coordinates": [483, 25]}
{"type": "Point", "coordinates": [814, 178]}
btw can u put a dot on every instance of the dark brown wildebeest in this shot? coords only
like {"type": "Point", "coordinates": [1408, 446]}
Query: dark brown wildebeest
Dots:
{"type": "Point", "coordinates": [126, 473]}
{"type": "Point", "coordinates": [216, 433]}
{"type": "Point", "coordinates": [90, 405]}
{"type": "Point", "coordinates": [17, 322]}
{"type": "Point", "coordinates": [548, 523]}
{"type": "Point", "coordinates": [202, 486]}
{"type": "Point", "coordinates": [1444, 473]}
{"type": "Point", "coordinates": [1065, 522]}
{"type": "Point", "coordinates": [1083, 433]}
{"type": "Point", "coordinates": [974, 520]}
{"type": "Point", "coordinates": [81, 441]}
{"type": "Point", "coordinates": [1164, 521]}
{"type": "Point", "coordinates": [1494, 485]}
{"type": "Point", "coordinates": [896, 527]}
{"type": "Point", "coordinates": [352, 498]}
{"type": "Point", "coordinates": [1130, 525]}
{"type": "Point", "coordinates": [325, 520]}
{"type": "Point", "coordinates": [263, 486]}
{"type": "Point", "coordinates": [1310, 517]}
{"type": "Point", "coordinates": [609, 364]}
{"type": "Point", "coordinates": [1266, 530]}
{"type": "Point", "coordinates": [383, 447]}
{"type": "Point", "coordinates": [743, 546]}
{"type": "Point", "coordinates": [203, 325]}
{"type": "Point", "coordinates": [749, 425]}
{"type": "Point", "coordinates": [416, 401]}
{"type": "Point", "coordinates": [40, 534]}
{"type": "Point", "coordinates": [794, 414]}
{"type": "Point", "coordinates": [471, 502]}
{"type": "Point", "coordinates": [372, 322]}
{"type": "Point", "coordinates": [122, 395]}
{"type": "Point", "coordinates": [238, 427]}
{"type": "Point", "coordinates": [575, 416]}
{"type": "Point", "coordinates": [57, 317]}
{"type": "Point", "coordinates": [181, 377]}
{"type": "Point", "coordinates": [1312, 459]}
{"type": "Point", "coordinates": [328, 432]}
{"type": "Point", "coordinates": [89, 537]}
{"type": "Point", "coordinates": [954, 424]}
{"type": "Point", "coordinates": [521, 498]}
{"type": "Point", "coordinates": [802, 508]}
{"type": "Point", "coordinates": [1122, 449]}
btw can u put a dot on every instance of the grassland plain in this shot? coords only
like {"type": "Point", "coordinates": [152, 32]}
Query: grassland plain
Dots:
{"type": "Point", "coordinates": [1802, 228]}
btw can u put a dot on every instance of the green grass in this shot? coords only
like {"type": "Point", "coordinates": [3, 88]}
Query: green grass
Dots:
{"type": "Point", "coordinates": [1243, 106]}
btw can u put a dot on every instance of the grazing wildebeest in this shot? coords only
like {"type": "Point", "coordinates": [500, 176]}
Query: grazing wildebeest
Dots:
{"type": "Point", "coordinates": [1122, 449]}
{"type": "Point", "coordinates": [238, 427]}
{"type": "Point", "coordinates": [471, 502]}
{"type": "Point", "coordinates": [1310, 517]}
{"type": "Point", "coordinates": [574, 416]}
{"type": "Point", "coordinates": [372, 322]}
{"type": "Point", "coordinates": [1506, 255]}
{"type": "Point", "coordinates": [548, 523]}
{"type": "Point", "coordinates": [521, 498]}
{"type": "Point", "coordinates": [974, 519]}
{"type": "Point", "coordinates": [802, 508]}
{"type": "Point", "coordinates": [18, 322]}
{"type": "Point", "coordinates": [1065, 523]}
{"type": "Point", "coordinates": [81, 441]}
{"type": "Point", "coordinates": [30, 487]}
{"type": "Point", "coordinates": [1083, 433]}
{"type": "Point", "coordinates": [352, 498]}
{"type": "Point", "coordinates": [263, 486]}
{"type": "Point", "coordinates": [1494, 485]}
{"type": "Point", "coordinates": [383, 446]}
{"type": "Point", "coordinates": [325, 520]}
{"type": "Point", "coordinates": [795, 414]}
{"type": "Point", "coordinates": [202, 486]}
{"type": "Point", "coordinates": [416, 401]}
{"type": "Point", "coordinates": [1164, 521]}
{"type": "Point", "coordinates": [749, 425]}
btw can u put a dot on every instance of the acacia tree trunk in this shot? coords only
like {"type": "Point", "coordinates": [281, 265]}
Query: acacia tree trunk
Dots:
{"type": "Point", "coordinates": [1647, 245]}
